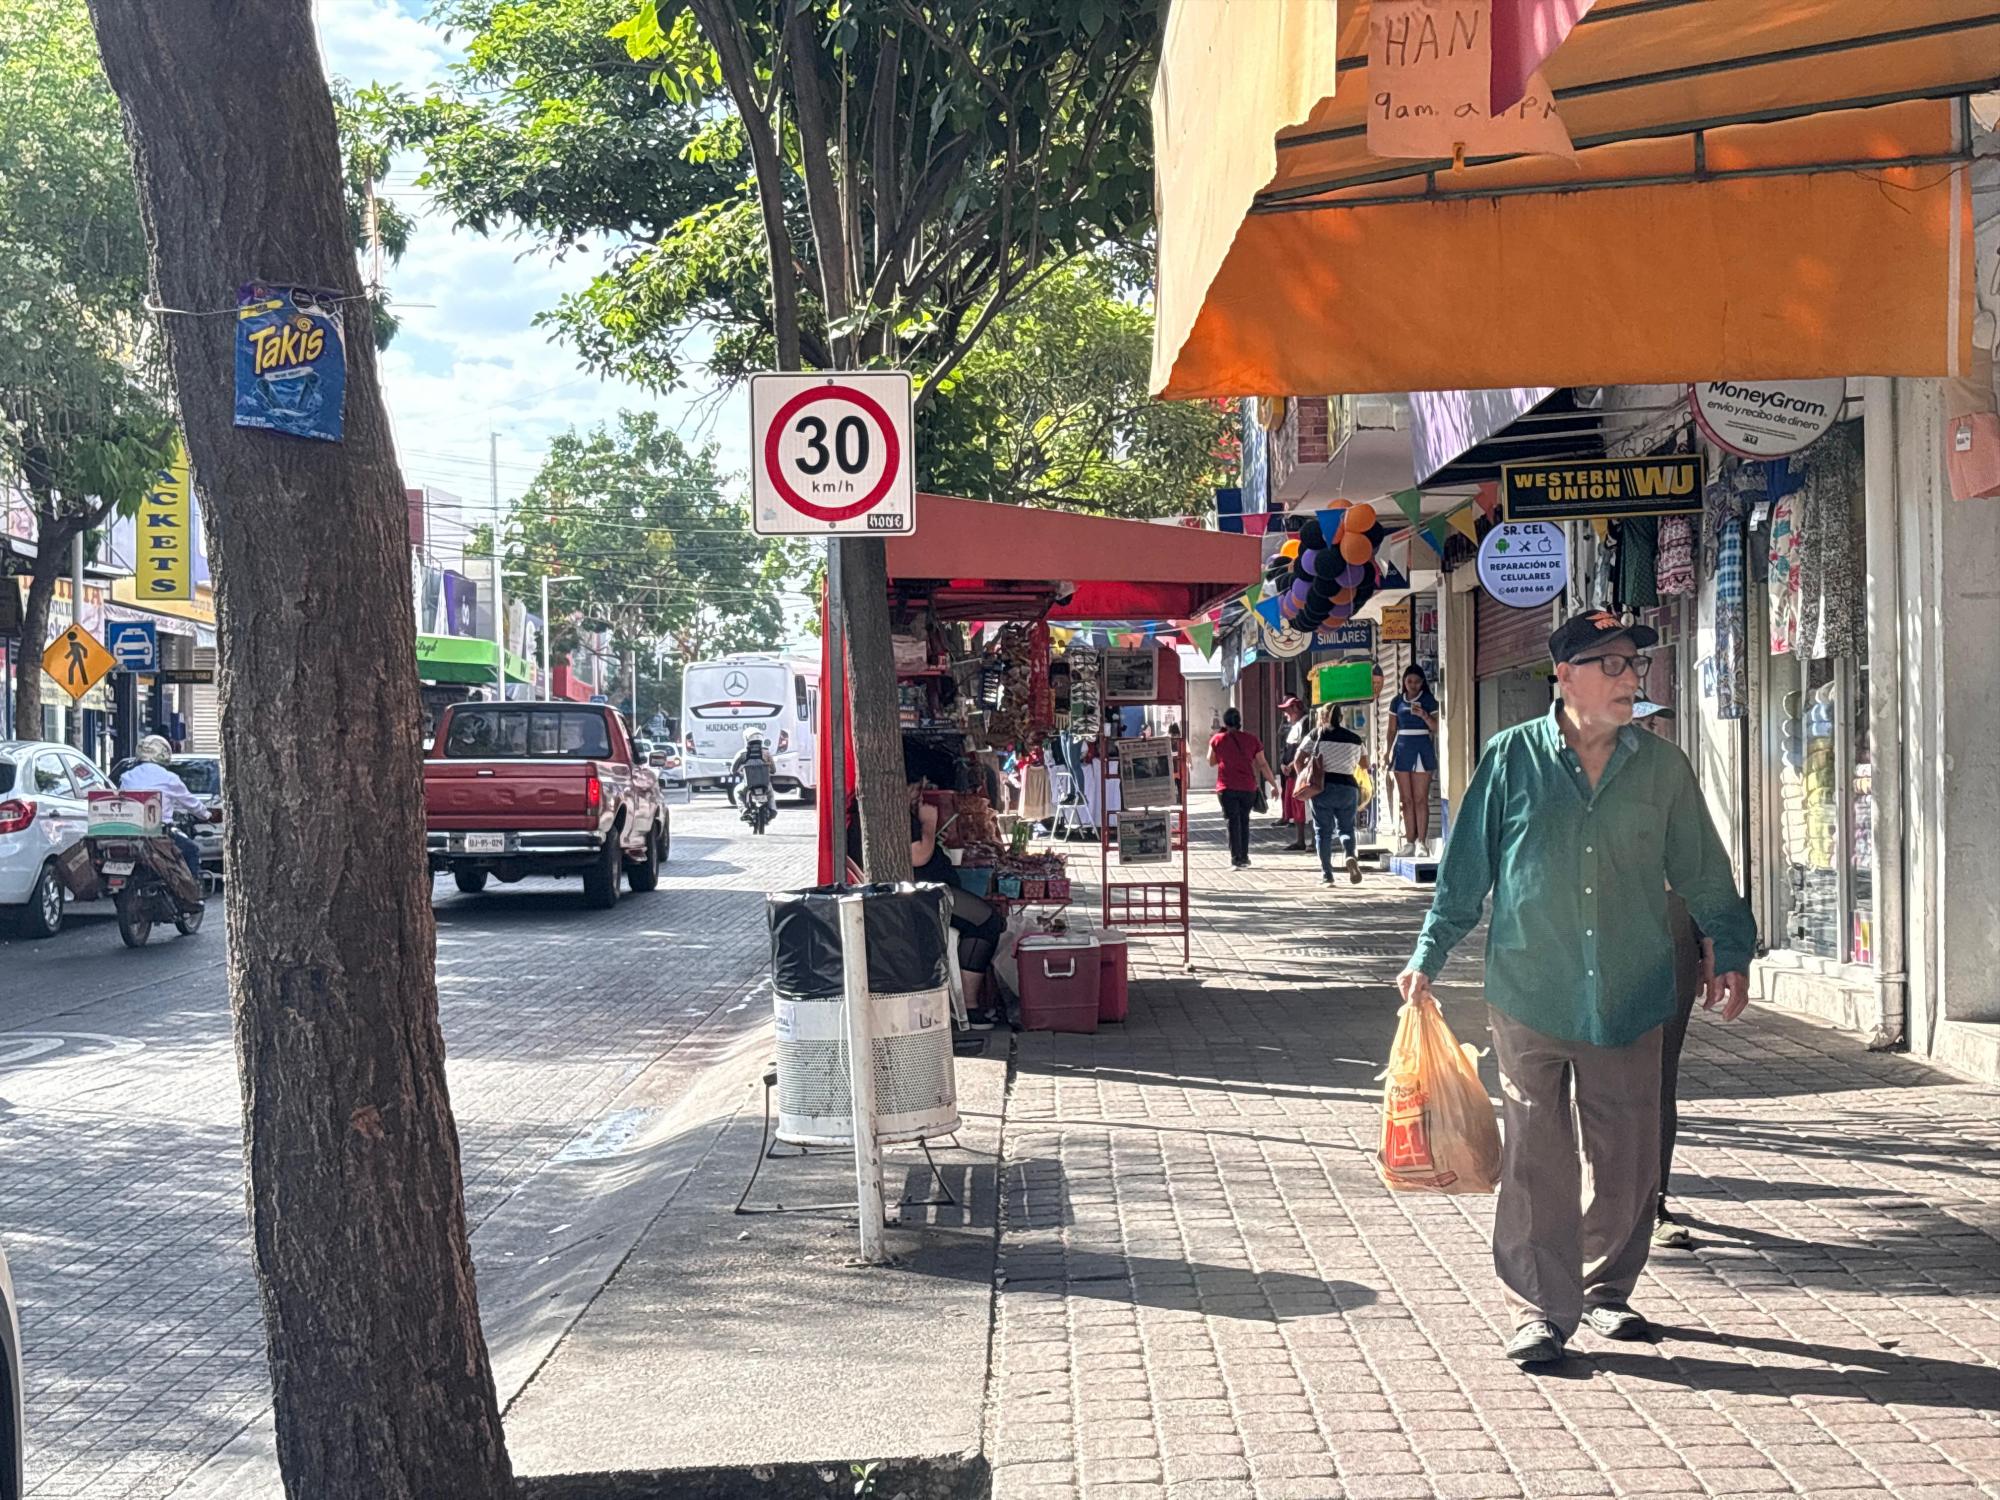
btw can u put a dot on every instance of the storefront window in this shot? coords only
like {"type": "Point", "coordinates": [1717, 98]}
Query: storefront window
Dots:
{"type": "Point", "coordinates": [1808, 804]}
{"type": "Point", "coordinates": [1861, 828]}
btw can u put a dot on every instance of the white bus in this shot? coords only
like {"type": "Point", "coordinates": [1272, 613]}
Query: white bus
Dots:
{"type": "Point", "coordinates": [775, 694]}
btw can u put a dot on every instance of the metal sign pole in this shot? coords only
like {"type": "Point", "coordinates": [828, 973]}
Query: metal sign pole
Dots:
{"type": "Point", "coordinates": [861, 1082]}
{"type": "Point", "coordinates": [835, 688]}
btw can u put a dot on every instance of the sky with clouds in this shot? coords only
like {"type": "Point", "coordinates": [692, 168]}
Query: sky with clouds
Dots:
{"type": "Point", "coordinates": [468, 358]}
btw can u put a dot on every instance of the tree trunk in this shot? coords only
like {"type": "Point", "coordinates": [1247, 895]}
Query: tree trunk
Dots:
{"type": "Point", "coordinates": [878, 734]}
{"type": "Point", "coordinates": [379, 1367]}
{"type": "Point", "coordinates": [49, 556]}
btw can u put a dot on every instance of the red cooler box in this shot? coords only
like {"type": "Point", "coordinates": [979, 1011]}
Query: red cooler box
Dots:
{"type": "Point", "coordinates": [1114, 992]}
{"type": "Point", "coordinates": [1059, 981]}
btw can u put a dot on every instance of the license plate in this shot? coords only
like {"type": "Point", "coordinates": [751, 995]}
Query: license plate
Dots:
{"type": "Point", "coordinates": [117, 867]}
{"type": "Point", "coordinates": [485, 843]}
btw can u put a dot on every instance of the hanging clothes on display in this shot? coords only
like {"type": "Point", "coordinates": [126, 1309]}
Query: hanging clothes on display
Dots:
{"type": "Point", "coordinates": [1722, 541]}
{"type": "Point", "coordinates": [1784, 576]}
{"type": "Point", "coordinates": [1675, 572]}
{"type": "Point", "coordinates": [1037, 805]}
{"type": "Point", "coordinates": [1831, 619]}
{"type": "Point", "coordinates": [1638, 562]}
{"type": "Point", "coordinates": [1732, 670]}
{"type": "Point", "coordinates": [1604, 573]}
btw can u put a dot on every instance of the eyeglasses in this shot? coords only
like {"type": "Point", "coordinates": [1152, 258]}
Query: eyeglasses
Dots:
{"type": "Point", "coordinates": [1618, 666]}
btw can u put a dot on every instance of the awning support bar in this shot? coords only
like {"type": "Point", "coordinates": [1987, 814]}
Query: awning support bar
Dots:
{"type": "Point", "coordinates": [1664, 179]}
{"type": "Point", "coordinates": [1610, 138]}
{"type": "Point", "coordinates": [1700, 70]}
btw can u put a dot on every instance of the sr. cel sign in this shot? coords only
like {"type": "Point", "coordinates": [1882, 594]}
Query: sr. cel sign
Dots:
{"type": "Point", "coordinates": [1524, 563]}
{"type": "Point", "coordinates": [830, 455]}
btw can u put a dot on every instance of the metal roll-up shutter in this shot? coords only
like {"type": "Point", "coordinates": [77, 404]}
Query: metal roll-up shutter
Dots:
{"type": "Point", "coordinates": [205, 709]}
{"type": "Point", "coordinates": [1508, 638]}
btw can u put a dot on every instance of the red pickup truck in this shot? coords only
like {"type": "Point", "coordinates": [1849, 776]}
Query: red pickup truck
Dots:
{"type": "Point", "coordinates": [517, 789]}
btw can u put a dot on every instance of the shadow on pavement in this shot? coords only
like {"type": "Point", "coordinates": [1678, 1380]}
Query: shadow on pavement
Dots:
{"type": "Point", "coordinates": [1881, 1377]}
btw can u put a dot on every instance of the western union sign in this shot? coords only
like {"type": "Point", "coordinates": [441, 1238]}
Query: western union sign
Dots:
{"type": "Point", "coordinates": [1669, 485]}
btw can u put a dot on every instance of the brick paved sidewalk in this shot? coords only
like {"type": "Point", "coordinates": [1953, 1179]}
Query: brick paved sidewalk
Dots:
{"type": "Point", "coordinates": [1205, 1293]}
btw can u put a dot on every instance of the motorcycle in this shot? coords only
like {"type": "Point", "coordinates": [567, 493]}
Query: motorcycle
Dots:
{"type": "Point", "coordinates": [759, 804]}
{"type": "Point", "coordinates": [129, 869]}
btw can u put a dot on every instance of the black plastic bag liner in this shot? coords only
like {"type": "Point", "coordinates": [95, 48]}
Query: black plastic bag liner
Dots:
{"type": "Point", "coordinates": [908, 932]}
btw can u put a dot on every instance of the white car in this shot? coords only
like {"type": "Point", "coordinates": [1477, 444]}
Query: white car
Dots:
{"type": "Point", "coordinates": [13, 1427]}
{"type": "Point", "coordinates": [42, 813]}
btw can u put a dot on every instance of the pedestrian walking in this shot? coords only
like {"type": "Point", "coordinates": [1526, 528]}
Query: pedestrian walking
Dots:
{"type": "Point", "coordinates": [1298, 729]}
{"type": "Point", "coordinates": [1241, 772]}
{"type": "Point", "coordinates": [1413, 713]}
{"type": "Point", "coordinates": [1330, 756]}
{"type": "Point", "coordinates": [1578, 823]}
{"type": "Point", "coordinates": [1694, 968]}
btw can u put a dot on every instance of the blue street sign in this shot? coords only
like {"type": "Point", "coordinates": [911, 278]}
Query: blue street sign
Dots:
{"type": "Point", "coordinates": [599, 698]}
{"type": "Point", "coordinates": [136, 646]}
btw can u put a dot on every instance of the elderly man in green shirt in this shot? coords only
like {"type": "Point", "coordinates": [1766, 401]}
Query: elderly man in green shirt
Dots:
{"type": "Point", "coordinates": [1578, 823]}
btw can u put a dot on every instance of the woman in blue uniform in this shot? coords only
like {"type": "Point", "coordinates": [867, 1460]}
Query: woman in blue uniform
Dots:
{"type": "Point", "coordinates": [1415, 759]}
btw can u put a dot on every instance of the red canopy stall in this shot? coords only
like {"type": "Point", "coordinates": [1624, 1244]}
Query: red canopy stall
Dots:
{"type": "Point", "coordinates": [972, 561]}
{"type": "Point", "coordinates": [979, 561]}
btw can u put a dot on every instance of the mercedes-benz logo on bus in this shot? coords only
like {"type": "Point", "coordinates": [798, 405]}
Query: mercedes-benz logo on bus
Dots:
{"type": "Point", "coordinates": [736, 684]}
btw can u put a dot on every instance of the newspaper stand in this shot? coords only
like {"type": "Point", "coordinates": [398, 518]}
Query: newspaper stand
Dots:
{"type": "Point", "coordinates": [1146, 908]}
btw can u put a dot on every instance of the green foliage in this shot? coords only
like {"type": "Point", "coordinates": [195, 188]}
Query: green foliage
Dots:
{"type": "Point", "coordinates": [370, 122]}
{"type": "Point", "coordinates": [85, 419]}
{"type": "Point", "coordinates": [974, 141]}
{"type": "Point", "coordinates": [663, 557]}
{"type": "Point", "coordinates": [1051, 408]}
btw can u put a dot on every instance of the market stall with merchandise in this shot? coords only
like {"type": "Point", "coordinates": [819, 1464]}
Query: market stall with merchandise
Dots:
{"type": "Point", "coordinates": [995, 728]}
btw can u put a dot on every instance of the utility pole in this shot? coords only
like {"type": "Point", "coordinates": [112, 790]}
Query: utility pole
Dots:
{"type": "Point", "coordinates": [76, 619]}
{"type": "Point", "coordinates": [835, 687]}
{"type": "Point", "coordinates": [499, 590]}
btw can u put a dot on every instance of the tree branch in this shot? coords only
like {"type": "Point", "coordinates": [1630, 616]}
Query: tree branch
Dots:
{"type": "Point", "coordinates": [739, 73]}
{"type": "Point", "coordinates": [822, 191]}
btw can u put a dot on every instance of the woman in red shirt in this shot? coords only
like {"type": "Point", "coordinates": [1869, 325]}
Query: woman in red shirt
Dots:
{"type": "Point", "coordinates": [1240, 770]}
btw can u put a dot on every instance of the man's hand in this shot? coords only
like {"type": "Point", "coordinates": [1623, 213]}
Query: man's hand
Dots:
{"type": "Point", "coordinates": [1415, 986]}
{"type": "Point", "coordinates": [1730, 991]}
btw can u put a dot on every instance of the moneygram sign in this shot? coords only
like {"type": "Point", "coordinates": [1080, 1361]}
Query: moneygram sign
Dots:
{"type": "Point", "coordinates": [1768, 418]}
{"type": "Point", "coordinates": [1611, 488]}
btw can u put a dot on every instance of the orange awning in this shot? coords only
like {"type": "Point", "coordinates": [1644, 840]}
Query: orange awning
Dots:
{"type": "Point", "coordinates": [1763, 189]}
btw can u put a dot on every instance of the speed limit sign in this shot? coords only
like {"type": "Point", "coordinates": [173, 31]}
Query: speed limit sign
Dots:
{"type": "Point", "coordinates": [831, 455]}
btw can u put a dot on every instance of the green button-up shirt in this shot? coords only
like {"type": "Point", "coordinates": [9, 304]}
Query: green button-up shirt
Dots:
{"type": "Point", "coordinates": [1579, 947]}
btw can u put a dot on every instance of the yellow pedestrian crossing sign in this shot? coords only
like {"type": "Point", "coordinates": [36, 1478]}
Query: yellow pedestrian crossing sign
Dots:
{"type": "Point", "coordinates": [77, 660]}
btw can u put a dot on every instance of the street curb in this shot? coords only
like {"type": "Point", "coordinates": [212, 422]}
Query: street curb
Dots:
{"type": "Point", "coordinates": [965, 1476]}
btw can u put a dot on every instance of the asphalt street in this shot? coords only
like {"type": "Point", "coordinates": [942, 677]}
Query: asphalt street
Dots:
{"type": "Point", "coordinates": [121, 1206]}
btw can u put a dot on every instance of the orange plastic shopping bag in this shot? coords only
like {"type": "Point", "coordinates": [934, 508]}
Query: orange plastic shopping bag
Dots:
{"type": "Point", "coordinates": [1438, 1131]}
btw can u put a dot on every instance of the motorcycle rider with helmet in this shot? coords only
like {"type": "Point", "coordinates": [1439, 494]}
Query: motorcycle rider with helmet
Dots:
{"type": "Point", "coordinates": [753, 765]}
{"type": "Point", "coordinates": [151, 774]}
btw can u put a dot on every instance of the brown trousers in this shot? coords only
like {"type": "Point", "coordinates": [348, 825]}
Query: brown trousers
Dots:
{"type": "Point", "coordinates": [1579, 1171]}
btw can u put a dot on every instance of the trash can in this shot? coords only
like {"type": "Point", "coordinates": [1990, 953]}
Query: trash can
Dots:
{"type": "Point", "coordinates": [909, 984]}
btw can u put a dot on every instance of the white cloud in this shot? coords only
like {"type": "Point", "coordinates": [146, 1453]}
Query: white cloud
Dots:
{"type": "Point", "coordinates": [468, 358]}
{"type": "Point", "coordinates": [379, 41]}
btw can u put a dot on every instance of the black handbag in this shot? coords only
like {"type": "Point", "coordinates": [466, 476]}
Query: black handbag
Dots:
{"type": "Point", "coordinates": [1259, 802]}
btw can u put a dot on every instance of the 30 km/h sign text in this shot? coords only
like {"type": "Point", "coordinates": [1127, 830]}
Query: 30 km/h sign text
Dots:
{"type": "Point", "coordinates": [831, 454]}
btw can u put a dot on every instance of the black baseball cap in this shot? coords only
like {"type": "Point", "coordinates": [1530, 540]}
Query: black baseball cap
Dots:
{"type": "Point", "coordinates": [1577, 635]}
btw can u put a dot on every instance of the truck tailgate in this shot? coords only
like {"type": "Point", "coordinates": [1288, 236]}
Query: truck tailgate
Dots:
{"type": "Point", "coordinates": [507, 794]}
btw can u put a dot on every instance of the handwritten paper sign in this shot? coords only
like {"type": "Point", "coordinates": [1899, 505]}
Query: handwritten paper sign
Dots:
{"type": "Point", "coordinates": [1430, 80]}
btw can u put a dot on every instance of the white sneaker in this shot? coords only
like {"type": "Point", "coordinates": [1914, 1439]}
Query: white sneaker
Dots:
{"type": "Point", "coordinates": [1406, 850]}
